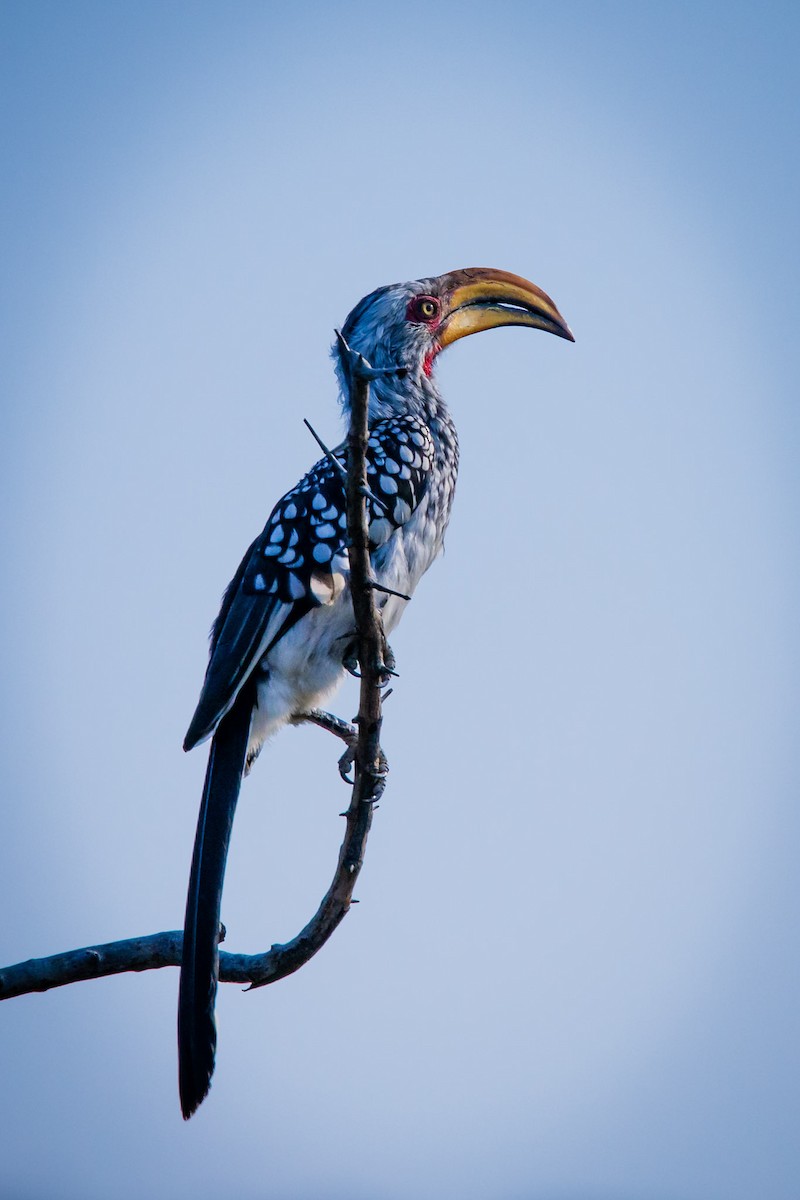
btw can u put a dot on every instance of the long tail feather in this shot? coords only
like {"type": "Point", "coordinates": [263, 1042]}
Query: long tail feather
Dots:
{"type": "Point", "coordinates": [197, 1031]}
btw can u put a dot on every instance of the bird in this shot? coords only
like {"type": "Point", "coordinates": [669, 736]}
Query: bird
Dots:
{"type": "Point", "coordinates": [285, 631]}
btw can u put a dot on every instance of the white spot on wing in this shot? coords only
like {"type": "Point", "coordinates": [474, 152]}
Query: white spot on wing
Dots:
{"type": "Point", "coordinates": [325, 588]}
{"type": "Point", "coordinates": [321, 588]}
{"type": "Point", "coordinates": [296, 587]}
{"type": "Point", "coordinates": [380, 530]}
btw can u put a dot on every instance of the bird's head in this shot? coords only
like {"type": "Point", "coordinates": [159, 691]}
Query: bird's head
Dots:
{"type": "Point", "coordinates": [409, 324]}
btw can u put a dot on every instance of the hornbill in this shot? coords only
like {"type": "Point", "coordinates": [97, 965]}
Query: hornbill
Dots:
{"type": "Point", "coordinates": [285, 629]}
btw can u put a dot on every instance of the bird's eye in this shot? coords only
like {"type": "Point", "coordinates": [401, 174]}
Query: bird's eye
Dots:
{"type": "Point", "coordinates": [424, 308]}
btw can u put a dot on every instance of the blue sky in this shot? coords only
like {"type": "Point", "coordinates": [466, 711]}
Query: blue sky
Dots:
{"type": "Point", "coordinates": [572, 974]}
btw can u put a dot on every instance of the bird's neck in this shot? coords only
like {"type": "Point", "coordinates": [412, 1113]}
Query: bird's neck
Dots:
{"type": "Point", "coordinates": [415, 394]}
{"type": "Point", "coordinates": [418, 397]}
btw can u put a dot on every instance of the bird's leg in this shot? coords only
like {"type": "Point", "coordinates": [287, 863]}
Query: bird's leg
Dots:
{"type": "Point", "coordinates": [339, 728]}
{"type": "Point", "coordinates": [325, 720]}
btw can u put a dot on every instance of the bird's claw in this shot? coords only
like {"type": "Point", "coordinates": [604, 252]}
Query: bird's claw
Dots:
{"type": "Point", "coordinates": [346, 765]}
{"type": "Point", "coordinates": [387, 666]}
{"type": "Point", "coordinates": [378, 790]}
{"type": "Point", "coordinates": [350, 661]}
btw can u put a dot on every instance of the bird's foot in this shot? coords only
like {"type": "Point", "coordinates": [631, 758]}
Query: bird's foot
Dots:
{"type": "Point", "coordinates": [348, 733]}
{"type": "Point", "coordinates": [346, 765]}
{"type": "Point", "coordinates": [389, 660]}
{"type": "Point", "coordinates": [340, 728]}
{"type": "Point", "coordinates": [386, 666]}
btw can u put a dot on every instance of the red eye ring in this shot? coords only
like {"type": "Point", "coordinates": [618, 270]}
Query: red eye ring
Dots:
{"type": "Point", "coordinates": [424, 310]}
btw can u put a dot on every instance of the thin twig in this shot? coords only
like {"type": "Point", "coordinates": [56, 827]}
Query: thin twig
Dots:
{"type": "Point", "coordinates": [340, 467]}
{"type": "Point", "coordinates": [335, 462]}
{"type": "Point", "coordinates": [380, 587]}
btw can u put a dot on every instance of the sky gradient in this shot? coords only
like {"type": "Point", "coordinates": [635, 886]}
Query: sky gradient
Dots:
{"type": "Point", "coordinates": [572, 974]}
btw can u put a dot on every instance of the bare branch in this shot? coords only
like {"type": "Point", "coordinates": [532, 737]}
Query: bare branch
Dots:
{"type": "Point", "coordinates": [92, 962]}
{"type": "Point", "coordinates": [164, 949]}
